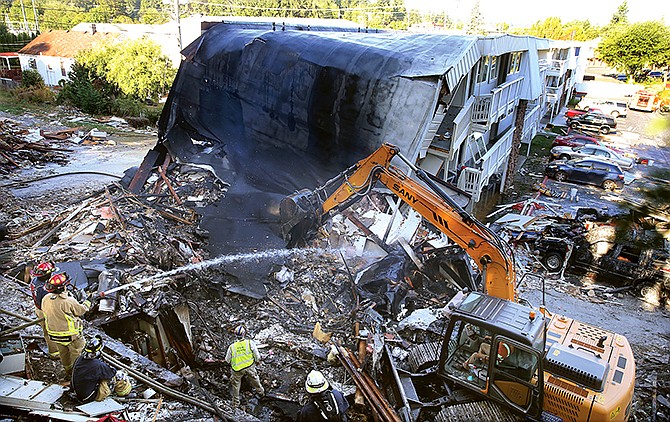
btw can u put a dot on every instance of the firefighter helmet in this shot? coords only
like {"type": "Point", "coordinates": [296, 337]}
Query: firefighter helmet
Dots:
{"type": "Point", "coordinates": [43, 269]}
{"type": "Point", "coordinates": [93, 347]}
{"type": "Point", "coordinates": [316, 382]}
{"type": "Point", "coordinates": [57, 283]}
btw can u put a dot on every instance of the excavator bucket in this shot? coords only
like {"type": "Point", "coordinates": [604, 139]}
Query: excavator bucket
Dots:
{"type": "Point", "coordinates": [300, 215]}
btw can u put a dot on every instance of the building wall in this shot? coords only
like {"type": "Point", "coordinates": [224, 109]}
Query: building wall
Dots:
{"type": "Point", "coordinates": [52, 69]}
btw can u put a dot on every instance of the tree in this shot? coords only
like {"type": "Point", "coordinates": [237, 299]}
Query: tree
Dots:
{"type": "Point", "coordinates": [476, 24]}
{"type": "Point", "coordinates": [620, 17]}
{"type": "Point", "coordinates": [631, 48]}
{"type": "Point", "coordinates": [137, 68]}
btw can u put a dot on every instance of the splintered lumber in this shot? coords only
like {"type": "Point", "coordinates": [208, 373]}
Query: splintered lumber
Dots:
{"type": "Point", "coordinates": [55, 229]}
{"type": "Point", "coordinates": [169, 185]}
{"type": "Point", "coordinates": [115, 211]}
{"type": "Point", "coordinates": [23, 317]}
{"type": "Point", "coordinates": [144, 171]}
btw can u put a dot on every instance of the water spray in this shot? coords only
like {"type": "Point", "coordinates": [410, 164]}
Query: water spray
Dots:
{"type": "Point", "coordinates": [220, 260]}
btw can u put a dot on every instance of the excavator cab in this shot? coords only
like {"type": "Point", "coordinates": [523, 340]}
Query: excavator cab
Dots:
{"type": "Point", "coordinates": [495, 348]}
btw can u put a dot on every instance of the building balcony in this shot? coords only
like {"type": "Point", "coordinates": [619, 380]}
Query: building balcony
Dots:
{"type": "Point", "coordinates": [474, 178]}
{"type": "Point", "coordinates": [500, 102]}
{"type": "Point", "coordinates": [554, 67]}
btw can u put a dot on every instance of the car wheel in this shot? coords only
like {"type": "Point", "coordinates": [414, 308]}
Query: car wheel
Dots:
{"type": "Point", "coordinates": [609, 185]}
{"type": "Point", "coordinates": [574, 125]}
{"type": "Point", "coordinates": [564, 157]}
{"type": "Point", "coordinates": [553, 261]}
{"type": "Point", "coordinates": [615, 114]}
{"type": "Point", "coordinates": [605, 130]}
{"type": "Point", "coordinates": [561, 176]}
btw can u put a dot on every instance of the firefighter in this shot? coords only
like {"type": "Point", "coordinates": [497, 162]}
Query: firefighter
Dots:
{"type": "Point", "coordinates": [242, 356]}
{"type": "Point", "coordinates": [93, 379]}
{"type": "Point", "coordinates": [39, 275]}
{"type": "Point", "coordinates": [325, 403]}
{"type": "Point", "coordinates": [62, 322]}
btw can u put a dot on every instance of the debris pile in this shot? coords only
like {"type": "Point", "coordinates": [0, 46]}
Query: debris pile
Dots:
{"type": "Point", "coordinates": [21, 147]}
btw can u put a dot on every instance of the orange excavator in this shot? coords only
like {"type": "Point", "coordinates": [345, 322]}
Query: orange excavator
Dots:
{"type": "Point", "coordinates": [496, 346]}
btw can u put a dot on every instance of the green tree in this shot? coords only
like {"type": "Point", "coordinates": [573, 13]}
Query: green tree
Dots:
{"type": "Point", "coordinates": [137, 68]}
{"type": "Point", "coordinates": [631, 48]}
{"type": "Point", "coordinates": [476, 23]}
{"type": "Point", "coordinates": [621, 15]}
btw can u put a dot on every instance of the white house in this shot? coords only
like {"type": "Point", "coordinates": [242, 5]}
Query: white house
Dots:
{"type": "Point", "coordinates": [52, 53]}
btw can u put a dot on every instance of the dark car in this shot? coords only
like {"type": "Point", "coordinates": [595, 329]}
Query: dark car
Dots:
{"type": "Point", "coordinates": [655, 74]}
{"type": "Point", "coordinates": [587, 170]}
{"type": "Point", "coordinates": [596, 122]}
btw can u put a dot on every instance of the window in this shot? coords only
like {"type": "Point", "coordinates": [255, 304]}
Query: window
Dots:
{"type": "Point", "coordinates": [514, 63]}
{"type": "Point", "coordinates": [493, 68]}
{"type": "Point", "coordinates": [601, 167]}
{"type": "Point", "coordinates": [583, 165]}
{"type": "Point", "coordinates": [32, 63]}
{"type": "Point", "coordinates": [63, 72]}
{"type": "Point", "coordinates": [515, 372]}
{"type": "Point", "coordinates": [483, 69]}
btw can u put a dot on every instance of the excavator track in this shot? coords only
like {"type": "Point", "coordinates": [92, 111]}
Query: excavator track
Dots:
{"type": "Point", "coordinates": [423, 355]}
{"type": "Point", "coordinates": [476, 411]}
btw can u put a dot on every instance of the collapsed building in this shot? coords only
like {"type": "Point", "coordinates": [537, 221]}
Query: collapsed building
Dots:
{"type": "Point", "coordinates": [257, 112]}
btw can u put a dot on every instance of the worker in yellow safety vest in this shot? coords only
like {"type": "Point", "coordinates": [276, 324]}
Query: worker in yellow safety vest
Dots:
{"type": "Point", "coordinates": [62, 322]}
{"type": "Point", "coordinates": [242, 356]}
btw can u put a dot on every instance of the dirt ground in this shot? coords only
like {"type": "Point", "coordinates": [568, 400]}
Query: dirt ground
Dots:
{"type": "Point", "coordinates": [308, 286]}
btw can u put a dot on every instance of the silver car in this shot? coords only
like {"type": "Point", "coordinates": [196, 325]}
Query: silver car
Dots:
{"type": "Point", "coordinates": [590, 151]}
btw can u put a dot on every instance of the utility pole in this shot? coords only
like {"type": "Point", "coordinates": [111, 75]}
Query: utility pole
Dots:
{"type": "Point", "coordinates": [37, 25]}
{"type": "Point", "coordinates": [25, 20]}
{"type": "Point", "coordinates": [176, 18]}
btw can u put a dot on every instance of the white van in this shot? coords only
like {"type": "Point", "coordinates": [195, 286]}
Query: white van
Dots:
{"type": "Point", "coordinates": [610, 107]}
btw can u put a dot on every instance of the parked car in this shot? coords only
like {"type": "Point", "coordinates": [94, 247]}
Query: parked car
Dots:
{"type": "Point", "coordinates": [621, 77]}
{"type": "Point", "coordinates": [575, 140]}
{"type": "Point", "coordinates": [591, 151]}
{"type": "Point", "coordinates": [655, 74]}
{"type": "Point", "coordinates": [590, 171]}
{"type": "Point", "coordinates": [573, 112]}
{"type": "Point", "coordinates": [596, 122]}
{"type": "Point", "coordinates": [609, 107]}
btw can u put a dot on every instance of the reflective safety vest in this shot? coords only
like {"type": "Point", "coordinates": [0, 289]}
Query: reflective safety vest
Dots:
{"type": "Point", "coordinates": [241, 355]}
{"type": "Point", "coordinates": [61, 317]}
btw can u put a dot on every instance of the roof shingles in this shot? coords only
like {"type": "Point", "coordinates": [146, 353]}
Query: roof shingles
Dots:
{"type": "Point", "coordinates": [64, 43]}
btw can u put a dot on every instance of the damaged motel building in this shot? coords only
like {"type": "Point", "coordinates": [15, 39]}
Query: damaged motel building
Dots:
{"type": "Point", "coordinates": [257, 112]}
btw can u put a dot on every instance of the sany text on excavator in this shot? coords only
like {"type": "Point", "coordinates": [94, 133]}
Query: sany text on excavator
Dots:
{"type": "Point", "coordinates": [540, 366]}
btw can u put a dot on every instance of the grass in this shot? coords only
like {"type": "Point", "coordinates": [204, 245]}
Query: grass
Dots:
{"type": "Point", "coordinates": [12, 105]}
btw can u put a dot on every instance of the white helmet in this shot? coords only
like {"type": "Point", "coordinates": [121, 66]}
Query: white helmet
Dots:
{"type": "Point", "coordinates": [316, 382]}
{"type": "Point", "coordinates": [240, 331]}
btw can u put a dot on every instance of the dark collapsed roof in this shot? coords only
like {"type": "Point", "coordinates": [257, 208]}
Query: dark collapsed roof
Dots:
{"type": "Point", "coordinates": [293, 108]}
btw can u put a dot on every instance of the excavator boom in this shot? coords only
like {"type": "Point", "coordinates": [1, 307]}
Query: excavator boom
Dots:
{"type": "Point", "coordinates": [303, 212]}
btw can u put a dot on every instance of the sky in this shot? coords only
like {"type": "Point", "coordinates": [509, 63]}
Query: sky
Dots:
{"type": "Point", "coordinates": [527, 12]}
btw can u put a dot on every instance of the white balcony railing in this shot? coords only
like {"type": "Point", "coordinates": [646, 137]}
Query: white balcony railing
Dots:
{"type": "Point", "coordinates": [461, 128]}
{"type": "Point", "coordinates": [500, 102]}
{"type": "Point", "coordinates": [473, 180]}
{"type": "Point", "coordinates": [554, 67]}
{"type": "Point", "coordinates": [531, 122]}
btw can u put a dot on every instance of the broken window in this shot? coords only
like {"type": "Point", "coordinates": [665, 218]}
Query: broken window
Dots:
{"type": "Point", "coordinates": [32, 63]}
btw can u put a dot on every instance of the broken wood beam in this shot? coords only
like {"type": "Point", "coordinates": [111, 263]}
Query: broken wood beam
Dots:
{"type": "Point", "coordinates": [20, 327]}
{"type": "Point", "coordinates": [283, 308]}
{"type": "Point", "coordinates": [59, 225]}
{"type": "Point", "coordinates": [115, 211]}
{"type": "Point", "coordinates": [169, 185]}
{"type": "Point", "coordinates": [23, 317]}
{"type": "Point", "coordinates": [164, 166]}
{"type": "Point", "coordinates": [144, 171]}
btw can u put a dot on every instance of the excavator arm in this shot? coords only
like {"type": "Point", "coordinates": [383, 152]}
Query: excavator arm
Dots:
{"type": "Point", "coordinates": [303, 213]}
